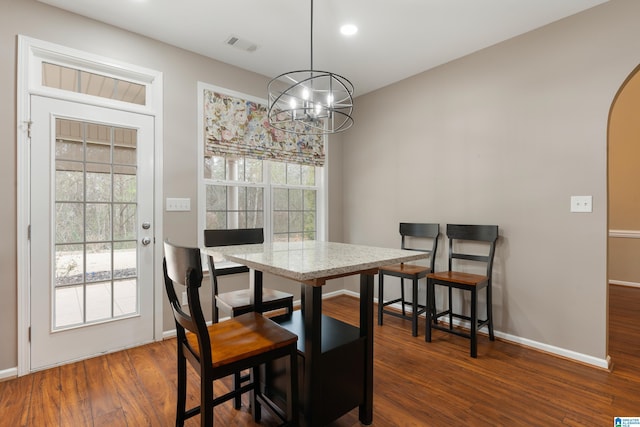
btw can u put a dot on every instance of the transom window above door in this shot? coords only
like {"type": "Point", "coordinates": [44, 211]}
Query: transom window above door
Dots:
{"type": "Point", "coordinates": [88, 83]}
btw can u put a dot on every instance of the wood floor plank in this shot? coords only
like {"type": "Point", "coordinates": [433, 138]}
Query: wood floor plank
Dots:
{"type": "Point", "coordinates": [136, 405]}
{"type": "Point", "coordinates": [415, 383]}
{"type": "Point", "coordinates": [115, 418]}
{"type": "Point", "coordinates": [101, 388]}
{"type": "Point", "coordinates": [75, 406]}
{"type": "Point", "coordinates": [149, 360]}
{"type": "Point", "coordinates": [15, 397]}
{"type": "Point", "coordinates": [44, 406]}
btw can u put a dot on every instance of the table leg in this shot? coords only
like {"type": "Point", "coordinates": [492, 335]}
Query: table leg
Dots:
{"type": "Point", "coordinates": [366, 330]}
{"type": "Point", "coordinates": [255, 289]}
{"type": "Point", "coordinates": [312, 311]}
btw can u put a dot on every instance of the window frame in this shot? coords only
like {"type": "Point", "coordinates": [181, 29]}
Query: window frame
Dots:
{"type": "Point", "coordinates": [320, 177]}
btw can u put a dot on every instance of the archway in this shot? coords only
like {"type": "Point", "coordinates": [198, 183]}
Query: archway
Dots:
{"type": "Point", "coordinates": [623, 184]}
{"type": "Point", "coordinates": [623, 135]}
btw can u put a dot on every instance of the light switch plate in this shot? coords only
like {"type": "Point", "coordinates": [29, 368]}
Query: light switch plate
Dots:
{"type": "Point", "coordinates": [581, 203]}
{"type": "Point", "coordinates": [178, 204]}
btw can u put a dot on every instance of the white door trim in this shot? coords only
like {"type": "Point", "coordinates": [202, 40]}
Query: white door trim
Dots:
{"type": "Point", "coordinates": [31, 52]}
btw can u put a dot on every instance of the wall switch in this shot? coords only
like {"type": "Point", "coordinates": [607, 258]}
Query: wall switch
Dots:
{"type": "Point", "coordinates": [185, 300]}
{"type": "Point", "coordinates": [581, 204]}
{"type": "Point", "coordinates": [178, 204]}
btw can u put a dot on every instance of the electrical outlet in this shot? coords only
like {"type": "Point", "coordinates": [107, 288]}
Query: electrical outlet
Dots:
{"type": "Point", "coordinates": [581, 204]}
{"type": "Point", "coordinates": [185, 300]}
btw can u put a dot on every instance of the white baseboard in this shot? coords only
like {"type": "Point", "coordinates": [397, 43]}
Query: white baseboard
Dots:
{"type": "Point", "coordinates": [6, 374]}
{"type": "Point", "coordinates": [558, 351]}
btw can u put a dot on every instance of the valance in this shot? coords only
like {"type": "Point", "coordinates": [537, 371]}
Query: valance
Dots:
{"type": "Point", "coordinates": [240, 128]}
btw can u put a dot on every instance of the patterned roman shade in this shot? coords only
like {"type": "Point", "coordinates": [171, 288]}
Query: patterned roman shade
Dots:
{"type": "Point", "coordinates": [239, 128]}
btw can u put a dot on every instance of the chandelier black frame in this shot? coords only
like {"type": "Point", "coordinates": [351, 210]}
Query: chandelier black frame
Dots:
{"type": "Point", "coordinates": [310, 102]}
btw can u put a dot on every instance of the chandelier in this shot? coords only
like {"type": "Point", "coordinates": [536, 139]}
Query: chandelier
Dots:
{"type": "Point", "coordinates": [310, 102]}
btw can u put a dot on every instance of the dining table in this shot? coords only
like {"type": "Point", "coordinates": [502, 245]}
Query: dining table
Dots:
{"type": "Point", "coordinates": [337, 358]}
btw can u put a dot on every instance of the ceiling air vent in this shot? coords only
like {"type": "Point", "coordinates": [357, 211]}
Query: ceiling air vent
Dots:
{"type": "Point", "coordinates": [238, 43]}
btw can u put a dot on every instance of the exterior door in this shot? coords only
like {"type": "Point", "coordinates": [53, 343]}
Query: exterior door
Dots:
{"type": "Point", "coordinates": [92, 236]}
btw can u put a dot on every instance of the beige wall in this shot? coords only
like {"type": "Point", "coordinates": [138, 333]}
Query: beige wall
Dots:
{"type": "Point", "coordinates": [505, 136]}
{"type": "Point", "coordinates": [624, 176]}
{"type": "Point", "coordinates": [182, 70]}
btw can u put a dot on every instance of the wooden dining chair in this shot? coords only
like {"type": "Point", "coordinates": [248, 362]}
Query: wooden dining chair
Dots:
{"type": "Point", "coordinates": [413, 237]}
{"type": "Point", "coordinates": [243, 342]}
{"type": "Point", "coordinates": [460, 237]}
{"type": "Point", "coordinates": [239, 301]}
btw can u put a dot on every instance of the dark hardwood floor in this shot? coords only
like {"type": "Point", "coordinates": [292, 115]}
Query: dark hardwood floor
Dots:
{"type": "Point", "coordinates": [416, 383]}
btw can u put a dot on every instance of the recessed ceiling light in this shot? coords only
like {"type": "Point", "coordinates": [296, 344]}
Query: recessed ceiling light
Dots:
{"type": "Point", "coordinates": [348, 29]}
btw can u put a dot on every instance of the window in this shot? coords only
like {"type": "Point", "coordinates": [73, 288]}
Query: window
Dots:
{"type": "Point", "coordinates": [76, 80]}
{"type": "Point", "coordinates": [246, 182]}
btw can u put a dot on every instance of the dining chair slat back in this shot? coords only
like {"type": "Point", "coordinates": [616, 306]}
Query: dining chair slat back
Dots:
{"type": "Point", "coordinates": [460, 237]}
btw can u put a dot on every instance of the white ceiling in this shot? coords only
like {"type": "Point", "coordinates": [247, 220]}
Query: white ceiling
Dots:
{"type": "Point", "coordinates": [396, 38]}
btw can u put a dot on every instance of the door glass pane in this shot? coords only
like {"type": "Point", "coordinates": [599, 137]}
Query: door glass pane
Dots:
{"type": "Point", "coordinates": [124, 184]}
{"type": "Point", "coordinates": [69, 136]}
{"type": "Point", "coordinates": [124, 221]}
{"type": "Point", "coordinates": [98, 264]}
{"type": "Point", "coordinates": [70, 217]}
{"type": "Point", "coordinates": [98, 301]}
{"type": "Point", "coordinates": [98, 222]}
{"type": "Point", "coordinates": [69, 264]}
{"type": "Point", "coordinates": [125, 260]}
{"type": "Point", "coordinates": [125, 298]}
{"type": "Point", "coordinates": [97, 141]}
{"type": "Point", "coordinates": [69, 308]}
{"type": "Point", "coordinates": [95, 223]}
{"type": "Point", "coordinates": [124, 148]}
{"type": "Point", "coordinates": [98, 182]}
{"type": "Point", "coordinates": [69, 181]}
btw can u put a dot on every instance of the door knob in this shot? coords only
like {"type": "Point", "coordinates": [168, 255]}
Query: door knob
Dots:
{"type": "Point", "coordinates": [146, 241]}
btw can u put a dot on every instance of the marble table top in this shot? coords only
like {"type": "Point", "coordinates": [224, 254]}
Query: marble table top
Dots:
{"type": "Point", "coordinates": [312, 261]}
